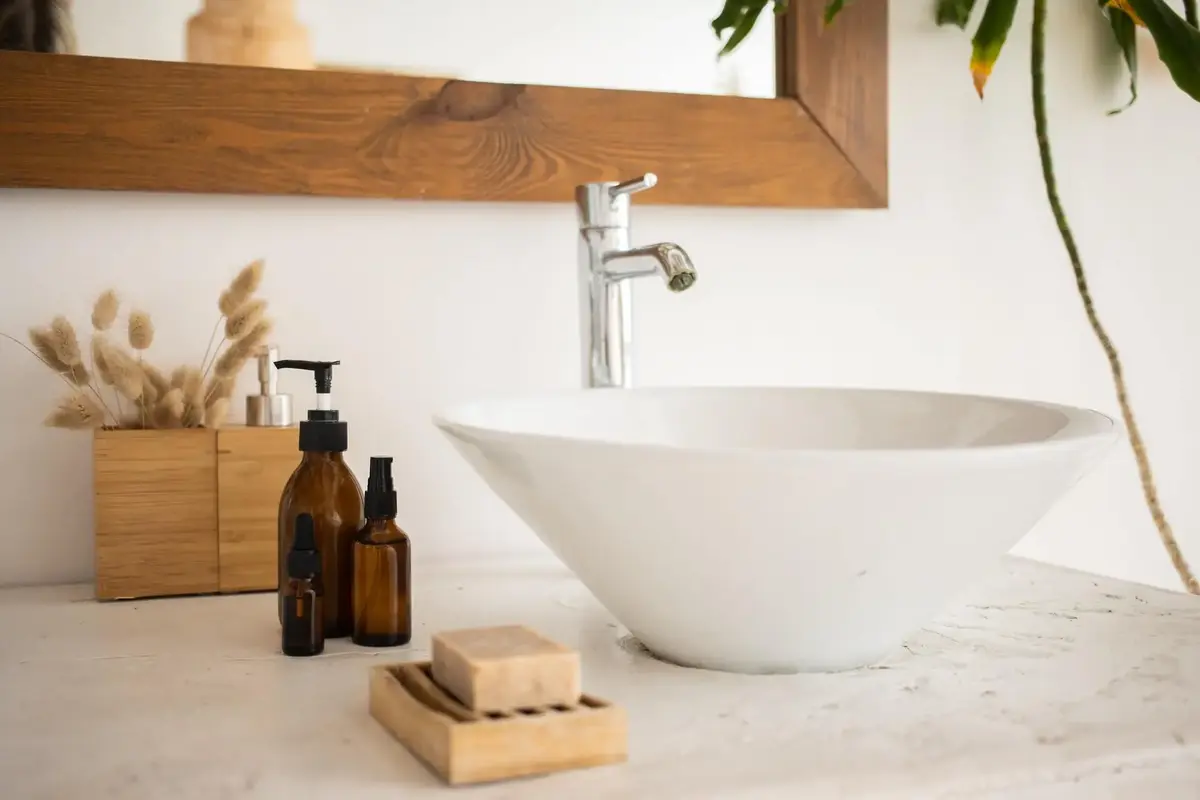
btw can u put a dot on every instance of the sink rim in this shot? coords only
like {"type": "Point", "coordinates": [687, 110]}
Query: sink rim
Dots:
{"type": "Point", "coordinates": [1098, 426]}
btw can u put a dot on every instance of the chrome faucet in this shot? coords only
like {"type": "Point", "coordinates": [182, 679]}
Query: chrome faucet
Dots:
{"type": "Point", "coordinates": [606, 265]}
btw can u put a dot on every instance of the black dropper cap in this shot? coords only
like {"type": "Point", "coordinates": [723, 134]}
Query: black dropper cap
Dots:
{"type": "Point", "coordinates": [322, 432]}
{"type": "Point", "coordinates": [381, 492]}
{"type": "Point", "coordinates": [304, 560]}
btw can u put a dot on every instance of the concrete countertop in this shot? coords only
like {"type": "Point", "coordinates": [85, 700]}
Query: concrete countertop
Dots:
{"type": "Point", "coordinates": [1042, 683]}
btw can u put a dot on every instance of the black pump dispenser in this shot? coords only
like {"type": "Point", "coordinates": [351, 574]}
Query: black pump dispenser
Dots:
{"type": "Point", "coordinates": [322, 432]}
{"type": "Point", "coordinates": [304, 560]}
{"type": "Point", "coordinates": [380, 502]}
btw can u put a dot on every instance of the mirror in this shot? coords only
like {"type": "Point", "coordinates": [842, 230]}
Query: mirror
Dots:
{"type": "Point", "coordinates": [659, 46]}
{"type": "Point", "coordinates": [481, 100]}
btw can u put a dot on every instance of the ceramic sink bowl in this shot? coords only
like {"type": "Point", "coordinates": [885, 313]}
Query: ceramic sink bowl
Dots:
{"type": "Point", "coordinates": [777, 529]}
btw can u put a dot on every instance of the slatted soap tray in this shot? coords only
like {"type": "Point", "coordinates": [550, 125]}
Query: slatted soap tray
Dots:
{"type": "Point", "coordinates": [464, 746]}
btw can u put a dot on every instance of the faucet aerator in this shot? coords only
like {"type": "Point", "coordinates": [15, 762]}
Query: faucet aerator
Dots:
{"type": "Point", "coordinates": [681, 282]}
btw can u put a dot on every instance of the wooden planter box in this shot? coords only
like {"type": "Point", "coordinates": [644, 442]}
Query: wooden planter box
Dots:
{"type": "Point", "coordinates": [188, 511]}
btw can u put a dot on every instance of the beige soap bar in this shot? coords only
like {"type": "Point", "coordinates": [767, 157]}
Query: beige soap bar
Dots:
{"type": "Point", "coordinates": [502, 668]}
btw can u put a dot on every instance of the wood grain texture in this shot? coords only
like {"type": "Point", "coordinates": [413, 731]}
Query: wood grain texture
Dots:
{"type": "Point", "coordinates": [155, 498]}
{"type": "Point", "coordinates": [839, 74]}
{"type": "Point", "coordinates": [76, 122]}
{"type": "Point", "coordinates": [494, 747]}
{"type": "Point", "coordinates": [253, 465]}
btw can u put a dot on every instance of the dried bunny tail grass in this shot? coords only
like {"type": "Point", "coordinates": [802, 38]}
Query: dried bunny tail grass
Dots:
{"type": "Point", "coordinates": [104, 312]}
{"type": "Point", "coordinates": [135, 422]}
{"type": "Point", "coordinates": [169, 413]}
{"type": "Point", "coordinates": [65, 342]}
{"type": "Point", "coordinates": [178, 376]}
{"type": "Point", "coordinates": [249, 279]}
{"type": "Point", "coordinates": [77, 411]}
{"type": "Point", "coordinates": [43, 343]}
{"type": "Point", "coordinates": [141, 330]}
{"type": "Point", "coordinates": [193, 398]}
{"type": "Point", "coordinates": [193, 381]}
{"type": "Point", "coordinates": [244, 284]}
{"type": "Point", "coordinates": [99, 353]}
{"type": "Point", "coordinates": [232, 360]}
{"type": "Point", "coordinates": [228, 302]}
{"type": "Point", "coordinates": [155, 377]}
{"type": "Point", "coordinates": [193, 410]}
{"type": "Point", "coordinates": [217, 411]}
{"type": "Point", "coordinates": [243, 320]}
{"type": "Point", "coordinates": [219, 387]}
{"type": "Point", "coordinates": [117, 368]}
{"type": "Point", "coordinates": [44, 346]}
{"type": "Point", "coordinates": [150, 391]}
{"type": "Point", "coordinates": [79, 375]}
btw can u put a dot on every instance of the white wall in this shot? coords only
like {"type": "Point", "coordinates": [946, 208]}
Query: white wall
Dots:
{"type": "Point", "coordinates": [961, 285]}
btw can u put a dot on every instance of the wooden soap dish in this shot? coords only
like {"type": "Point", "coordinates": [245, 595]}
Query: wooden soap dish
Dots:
{"type": "Point", "coordinates": [464, 746]}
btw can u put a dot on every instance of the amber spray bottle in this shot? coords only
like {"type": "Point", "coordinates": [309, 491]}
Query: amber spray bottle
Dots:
{"type": "Point", "coordinates": [303, 621]}
{"type": "Point", "coordinates": [382, 567]}
{"type": "Point", "coordinates": [324, 487]}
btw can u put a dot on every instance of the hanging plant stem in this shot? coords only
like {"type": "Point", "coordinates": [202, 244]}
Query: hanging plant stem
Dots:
{"type": "Point", "coordinates": [1037, 68]}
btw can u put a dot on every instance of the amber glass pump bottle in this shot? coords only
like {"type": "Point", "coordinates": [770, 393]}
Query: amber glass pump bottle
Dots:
{"type": "Point", "coordinates": [324, 487]}
{"type": "Point", "coordinates": [382, 567]}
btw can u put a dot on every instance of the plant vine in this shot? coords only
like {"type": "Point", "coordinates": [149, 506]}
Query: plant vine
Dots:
{"type": "Point", "coordinates": [1177, 40]}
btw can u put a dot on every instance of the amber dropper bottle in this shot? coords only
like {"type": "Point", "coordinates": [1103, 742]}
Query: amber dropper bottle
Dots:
{"type": "Point", "coordinates": [303, 596]}
{"type": "Point", "coordinates": [382, 567]}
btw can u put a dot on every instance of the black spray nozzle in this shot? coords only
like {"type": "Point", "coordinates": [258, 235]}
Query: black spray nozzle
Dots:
{"type": "Point", "coordinates": [381, 474]}
{"type": "Point", "coordinates": [322, 370]}
{"type": "Point", "coordinates": [381, 491]}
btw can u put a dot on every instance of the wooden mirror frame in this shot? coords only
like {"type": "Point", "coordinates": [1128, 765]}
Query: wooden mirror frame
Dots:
{"type": "Point", "coordinates": [78, 122]}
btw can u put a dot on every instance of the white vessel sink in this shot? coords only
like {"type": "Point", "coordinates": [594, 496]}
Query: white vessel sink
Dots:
{"type": "Point", "coordinates": [778, 529]}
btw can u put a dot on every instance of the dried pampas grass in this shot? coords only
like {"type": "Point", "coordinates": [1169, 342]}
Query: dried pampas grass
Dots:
{"type": "Point", "coordinates": [184, 397]}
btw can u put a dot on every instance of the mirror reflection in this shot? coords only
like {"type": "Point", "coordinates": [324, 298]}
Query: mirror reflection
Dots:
{"type": "Point", "coordinates": [652, 45]}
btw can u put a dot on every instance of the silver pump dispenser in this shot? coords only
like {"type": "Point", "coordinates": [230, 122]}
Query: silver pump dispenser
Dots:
{"type": "Point", "coordinates": [268, 408]}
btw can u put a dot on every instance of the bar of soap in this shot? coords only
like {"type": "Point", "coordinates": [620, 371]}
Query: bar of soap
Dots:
{"type": "Point", "coordinates": [504, 668]}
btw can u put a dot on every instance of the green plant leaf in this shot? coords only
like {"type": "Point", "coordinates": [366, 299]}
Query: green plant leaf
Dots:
{"type": "Point", "coordinates": [740, 16]}
{"type": "Point", "coordinates": [954, 12]}
{"type": "Point", "coordinates": [731, 12]}
{"type": "Point", "coordinates": [1125, 32]}
{"type": "Point", "coordinates": [989, 39]}
{"type": "Point", "coordinates": [1178, 42]}
{"type": "Point", "coordinates": [833, 8]}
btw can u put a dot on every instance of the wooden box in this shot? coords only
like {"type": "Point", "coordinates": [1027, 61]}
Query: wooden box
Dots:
{"type": "Point", "coordinates": [464, 746]}
{"type": "Point", "coordinates": [188, 511]}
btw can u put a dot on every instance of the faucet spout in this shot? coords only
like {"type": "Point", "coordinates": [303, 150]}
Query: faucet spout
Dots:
{"type": "Point", "coordinates": [670, 261]}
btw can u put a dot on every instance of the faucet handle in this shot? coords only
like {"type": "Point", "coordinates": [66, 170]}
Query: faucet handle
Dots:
{"type": "Point", "coordinates": [606, 204]}
{"type": "Point", "coordinates": [647, 181]}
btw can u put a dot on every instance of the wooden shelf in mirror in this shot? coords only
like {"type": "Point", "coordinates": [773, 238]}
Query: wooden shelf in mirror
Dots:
{"type": "Point", "coordinates": [76, 122]}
